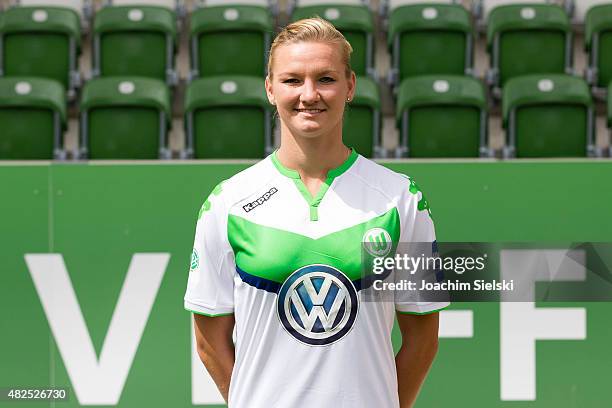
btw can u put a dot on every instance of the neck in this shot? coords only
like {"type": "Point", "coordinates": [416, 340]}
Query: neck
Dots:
{"type": "Point", "coordinates": [312, 158]}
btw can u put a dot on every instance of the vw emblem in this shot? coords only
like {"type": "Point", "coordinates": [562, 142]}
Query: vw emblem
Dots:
{"type": "Point", "coordinates": [317, 305]}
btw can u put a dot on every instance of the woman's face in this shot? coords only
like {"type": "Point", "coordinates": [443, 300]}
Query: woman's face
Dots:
{"type": "Point", "coordinates": [309, 88]}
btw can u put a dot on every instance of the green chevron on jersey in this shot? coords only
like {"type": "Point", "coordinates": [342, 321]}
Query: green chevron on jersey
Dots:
{"type": "Point", "coordinates": [273, 254]}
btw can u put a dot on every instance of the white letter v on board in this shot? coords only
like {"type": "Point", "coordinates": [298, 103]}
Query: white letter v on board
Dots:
{"type": "Point", "coordinates": [97, 381]}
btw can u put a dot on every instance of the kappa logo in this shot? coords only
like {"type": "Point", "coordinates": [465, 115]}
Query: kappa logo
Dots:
{"type": "Point", "coordinates": [317, 305]}
{"type": "Point", "coordinates": [251, 206]}
{"type": "Point", "coordinates": [377, 242]}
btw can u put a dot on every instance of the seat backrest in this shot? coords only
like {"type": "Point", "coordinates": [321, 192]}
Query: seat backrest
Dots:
{"type": "Point", "coordinates": [76, 5]}
{"type": "Point", "coordinates": [430, 39]}
{"type": "Point", "coordinates": [548, 116]}
{"type": "Point", "coordinates": [529, 39]}
{"type": "Point", "coordinates": [33, 117]}
{"type": "Point", "coordinates": [134, 41]}
{"type": "Point", "coordinates": [230, 40]}
{"type": "Point", "coordinates": [41, 42]}
{"type": "Point", "coordinates": [124, 118]}
{"type": "Point", "coordinates": [227, 117]}
{"type": "Point", "coordinates": [442, 116]}
{"type": "Point", "coordinates": [598, 42]}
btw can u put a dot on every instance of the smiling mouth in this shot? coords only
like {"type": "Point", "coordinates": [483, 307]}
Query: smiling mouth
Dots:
{"type": "Point", "coordinates": [309, 110]}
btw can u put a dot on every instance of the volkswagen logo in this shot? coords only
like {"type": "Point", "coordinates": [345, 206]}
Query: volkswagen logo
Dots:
{"type": "Point", "coordinates": [317, 305]}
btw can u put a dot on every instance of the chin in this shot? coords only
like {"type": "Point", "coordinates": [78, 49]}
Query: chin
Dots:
{"type": "Point", "coordinates": [309, 135]}
{"type": "Point", "coordinates": [308, 131]}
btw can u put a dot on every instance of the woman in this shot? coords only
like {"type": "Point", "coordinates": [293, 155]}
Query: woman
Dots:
{"type": "Point", "coordinates": [277, 254]}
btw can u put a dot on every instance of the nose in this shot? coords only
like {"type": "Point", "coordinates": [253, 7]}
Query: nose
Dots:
{"type": "Point", "coordinates": [310, 93]}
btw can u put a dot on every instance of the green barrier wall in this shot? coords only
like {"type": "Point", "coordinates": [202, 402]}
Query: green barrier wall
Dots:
{"type": "Point", "coordinates": [96, 217]}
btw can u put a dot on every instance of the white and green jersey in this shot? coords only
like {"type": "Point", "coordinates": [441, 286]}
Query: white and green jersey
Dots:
{"type": "Point", "coordinates": [288, 266]}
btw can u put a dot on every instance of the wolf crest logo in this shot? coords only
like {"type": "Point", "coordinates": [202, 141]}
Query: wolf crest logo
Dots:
{"type": "Point", "coordinates": [317, 305]}
{"type": "Point", "coordinates": [377, 242]}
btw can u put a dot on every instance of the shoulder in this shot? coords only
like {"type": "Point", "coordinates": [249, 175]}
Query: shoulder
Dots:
{"type": "Point", "coordinates": [240, 186]}
{"type": "Point", "coordinates": [381, 178]}
{"type": "Point", "coordinates": [397, 187]}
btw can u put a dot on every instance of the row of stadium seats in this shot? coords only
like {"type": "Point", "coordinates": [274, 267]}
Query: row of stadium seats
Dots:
{"type": "Point", "coordinates": [213, 23]}
{"type": "Point", "coordinates": [232, 40]}
{"type": "Point", "coordinates": [480, 9]}
{"type": "Point", "coordinates": [230, 117]}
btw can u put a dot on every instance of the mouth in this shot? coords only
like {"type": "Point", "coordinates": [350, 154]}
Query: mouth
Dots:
{"type": "Point", "coordinates": [310, 111]}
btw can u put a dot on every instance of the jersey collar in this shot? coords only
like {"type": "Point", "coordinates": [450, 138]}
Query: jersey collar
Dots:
{"type": "Point", "coordinates": [313, 202]}
{"type": "Point", "coordinates": [332, 174]}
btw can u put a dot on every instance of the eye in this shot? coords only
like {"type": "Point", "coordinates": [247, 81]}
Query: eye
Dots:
{"type": "Point", "coordinates": [290, 81]}
{"type": "Point", "coordinates": [327, 79]}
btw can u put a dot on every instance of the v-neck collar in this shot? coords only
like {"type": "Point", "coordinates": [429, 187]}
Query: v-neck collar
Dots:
{"type": "Point", "coordinates": [313, 202]}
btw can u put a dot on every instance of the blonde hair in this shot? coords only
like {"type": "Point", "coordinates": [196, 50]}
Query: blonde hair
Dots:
{"type": "Point", "coordinates": [313, 29]}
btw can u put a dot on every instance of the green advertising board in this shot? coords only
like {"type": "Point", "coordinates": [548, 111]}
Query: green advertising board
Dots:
{"type": "Point", "coordinates": [96, 258]}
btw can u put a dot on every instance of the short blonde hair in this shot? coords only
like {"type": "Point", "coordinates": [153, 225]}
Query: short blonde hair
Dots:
{"type": "Point", "coordinates": [313, 29]}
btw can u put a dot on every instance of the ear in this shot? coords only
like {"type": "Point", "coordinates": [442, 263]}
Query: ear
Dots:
{"type": "Point", "coordinates": [269, 92]}
{"type": "Point", "coordinates": [352, 83]}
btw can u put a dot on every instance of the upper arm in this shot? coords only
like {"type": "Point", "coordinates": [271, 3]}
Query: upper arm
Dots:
{"type": "Point", "coordinates": [417, 228]}
{"type": "Point", "coordinates": [212, 331]}
{"type": "Point", "coordinates": [421, 329]}
{"type": "Point", "coordinates": [210, 286]}
{"type": "Point", "coordinates": [416, 222]}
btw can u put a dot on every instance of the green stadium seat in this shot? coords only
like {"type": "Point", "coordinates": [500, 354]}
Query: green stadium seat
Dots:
{"type": "Point", "coordinates": [41, 42]}
{"type": "Point", "coordinates": [33, 118]}
{"type": "Point", "coordinates": [355, 22]}
{"type": "Point", "coordinates": [135, 41]}
{"type": "Point", "coordinates": [427, 39]}
{"type": "Point", "coordinates": [442, 116]}
{"type": "Point", "coordinates": [548, 115]}
{"type": "Point", "coordinates": [598, 44]}
{"type": "Point", "coordinates": [125, 118]}
{"type": "Point", "coordinates": [227, 117]}
{"type": "Point", "coordinates": [230, 40]}
{"type": "Point", "coordinates": [528, 39]}
{"type": "Point", "coordinates": [361, 126]}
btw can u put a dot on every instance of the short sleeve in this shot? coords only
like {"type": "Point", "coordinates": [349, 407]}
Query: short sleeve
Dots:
{"type": "Point", "coordinates": [417, 226]}
{"type": "Point", "coordinates": [210, 286]}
